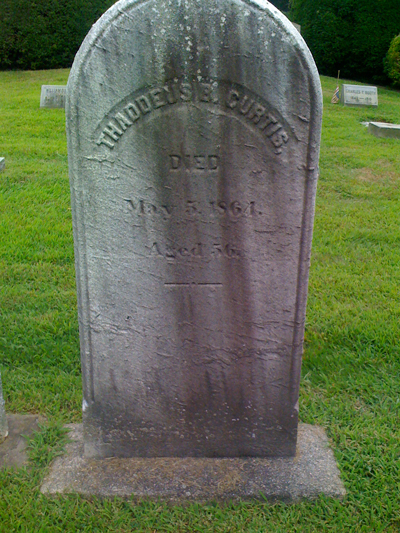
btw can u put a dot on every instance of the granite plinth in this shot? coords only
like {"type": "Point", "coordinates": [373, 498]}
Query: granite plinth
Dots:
{"type": "Point", "coordinates": [313, 471]}
{"type": "Point", "coordinates": [384, 129]}
{"type": "Point", "coordinates": [13, 449]}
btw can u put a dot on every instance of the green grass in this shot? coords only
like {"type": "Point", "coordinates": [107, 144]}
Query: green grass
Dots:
{"type": "Point", "coordinates": [351, 369]}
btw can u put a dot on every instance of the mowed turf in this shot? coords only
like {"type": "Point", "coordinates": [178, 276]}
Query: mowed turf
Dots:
{"type": "Point", "coordinates": [351, 369]}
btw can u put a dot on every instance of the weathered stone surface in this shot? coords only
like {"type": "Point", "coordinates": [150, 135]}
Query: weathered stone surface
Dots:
{"type": "Point", "coordinates": [311, 472]}
{"type": "Point", "coordinates": [193, 137]}
{"type": "Point", "coordinates": [3, 417]}
{"type": "Point", "coordinates": [13, 449]}
{"type": "Point", "coordinates": [53, 96]}
{"type": "Point", "coordinates": [2, 163]}
{"type": "Point", "coordinates": [384, 129]}
{"type": "Point", "coordinates": [359, 95]}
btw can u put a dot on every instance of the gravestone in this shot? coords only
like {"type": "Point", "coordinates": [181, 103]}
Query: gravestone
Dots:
{"type": "Point", "coordinates": [3, 417]}
{"type": "Point", "coordinates": [53, 96]}
{"type": "Point", "coordinates": [2, 163]}
{"type": "Point", "coordinates": [193, 138]}
{"type": "Point", "coordinates": [358, 95]}
{"type": "Point", "coordinates": [297, 26]}
{"type": "Point", "coordinates": [384, 130]}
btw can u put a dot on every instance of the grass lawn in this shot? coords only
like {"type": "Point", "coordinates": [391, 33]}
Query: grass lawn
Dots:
{"type": "Point", "coordinates": [351, 369]}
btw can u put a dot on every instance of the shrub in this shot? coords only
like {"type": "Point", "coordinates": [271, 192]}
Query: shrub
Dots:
{"type": "Point", "coordinates": [392, 61]}
{"type": "Point", "coordinates": [352, 36]}
{"type": "Point", "coordinates": [43, 34]}
{"type": "Point", "coordinates": [283, 5]}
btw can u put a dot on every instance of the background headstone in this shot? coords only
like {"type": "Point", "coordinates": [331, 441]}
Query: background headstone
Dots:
{"type": "Point", "coordinates": [53, 96]}
{"type": "Point", "coordinates": [297, 26]}
{"type": "Point", "coordinates": [2, 163]}
{"type": "Point", "coordinates": [3, 417]}
{"type": "Point", "coordinates": [384, 129]}
{"type": "Point", "coordinates": [193, 138]}
{"type": "Point", "coordinates": [359, 95]}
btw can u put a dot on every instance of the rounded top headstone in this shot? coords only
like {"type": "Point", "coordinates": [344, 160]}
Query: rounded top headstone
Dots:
{"type": "Point", "coordinates": [193, 138]}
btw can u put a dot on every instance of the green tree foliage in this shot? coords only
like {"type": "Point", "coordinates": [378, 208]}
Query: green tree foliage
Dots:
{"type": "Point", "coordinates": [43, 34]}
{"type": "Point", "coordinates": [352, 36]}
{"type": "Point", "coordinates": [392, 62]}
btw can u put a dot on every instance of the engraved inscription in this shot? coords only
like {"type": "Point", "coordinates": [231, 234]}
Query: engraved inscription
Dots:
{"type": "Point", "coordinates": [143, 208]}
{"type": "Point", "coordinates": [193, 284]}
{"type": "Point", "coordinates": [231, 98]}
{"type": "Point", "coordinates": [257, 114]}
{"type": "Point", "coordinates": [221, 208]}
{"type": "Point", "coordinates": [193, 162]}
{"type": "Point", "coordinates": [197, 251]}
{"type": "Point", "coordinates": [234, 209]}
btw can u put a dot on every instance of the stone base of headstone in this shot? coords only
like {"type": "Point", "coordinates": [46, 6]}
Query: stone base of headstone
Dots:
{"type": "Point", "coordinates": [313, 471]}
{"type": "Point", "coordinates": [13, 449]}
{"type": "Point", "coordinates": [384, 129]}
{"type": "Point", "coordinates": [2, 163]}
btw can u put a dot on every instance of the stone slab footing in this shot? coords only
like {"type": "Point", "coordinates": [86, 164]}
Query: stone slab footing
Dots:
{"type": "Point", "coordinates": [384, 129]}
{"type": "Point", "coordinates": [313, 471]}
{"type": "Point", "coordinates": [13, 449]}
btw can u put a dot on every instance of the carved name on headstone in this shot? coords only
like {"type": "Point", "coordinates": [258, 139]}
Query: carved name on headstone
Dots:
{"type": "Point", "coordinates": [193, 137]}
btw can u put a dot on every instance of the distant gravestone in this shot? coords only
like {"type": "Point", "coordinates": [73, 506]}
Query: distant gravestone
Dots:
{"type": "Point", "coordinates": [193, 138]}
{"type": "Point", "coordinates": [297, 26]}
{"type": "Point", "coordinates": [53, 96]}
{"type": "Point", "coordinates": [3, 417]}
{"type": "Point", "coordinates": [2, 163]}
{"type": "Point", "coordinates": [384, 129]}
{"type": "Point", "coordinates": [359, 95]}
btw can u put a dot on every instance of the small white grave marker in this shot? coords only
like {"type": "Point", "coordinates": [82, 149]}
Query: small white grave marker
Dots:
{"type": "Point", "coordinates": [2, 163]}
{"type": "Point", "coordinates": [53, 96]}
{"type": "Point", "coordinates": [383, 129]}
{"type": "Point", "coordinates": [359, 95]}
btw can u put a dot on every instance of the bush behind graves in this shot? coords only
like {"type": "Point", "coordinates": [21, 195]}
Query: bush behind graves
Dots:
{"type": "Point", "coordinates": [392, 61]}
{"type": "Point", "coordinates": [352, 36]}
{"type": "Point", "coordinates": [44, 34]}
{"type": "Point", "coordinates": [283, 5]}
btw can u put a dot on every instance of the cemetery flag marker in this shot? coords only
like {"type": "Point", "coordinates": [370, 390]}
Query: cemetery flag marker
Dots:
{"type": "Point", "coordinates": [336, 94]}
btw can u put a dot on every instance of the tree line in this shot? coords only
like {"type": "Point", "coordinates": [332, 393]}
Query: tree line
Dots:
{"type": "Point", "coordinates": [45, 34]}
{"type": "Point", "coordinates": [352, 36]}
